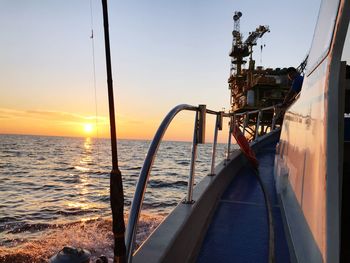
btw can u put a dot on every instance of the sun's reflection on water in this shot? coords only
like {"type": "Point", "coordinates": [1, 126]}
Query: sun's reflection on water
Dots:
{"type": "Point", "coordinates": [81, 202]}
{"type": "Point", "coordinates": [87, 143]}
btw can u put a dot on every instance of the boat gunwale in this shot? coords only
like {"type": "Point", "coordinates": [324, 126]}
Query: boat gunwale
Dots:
{"type": "Point", "coordinates": [179, 237]}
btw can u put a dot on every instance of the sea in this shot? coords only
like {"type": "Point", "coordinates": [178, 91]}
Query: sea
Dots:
{"type": "Point", "coordinates": [54, 191]}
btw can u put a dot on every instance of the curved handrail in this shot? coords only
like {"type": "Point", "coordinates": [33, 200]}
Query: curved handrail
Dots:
{"type": "Point", "coordinates": [148, 163]}
{"type": "Point", "coordinates": [144, 174]}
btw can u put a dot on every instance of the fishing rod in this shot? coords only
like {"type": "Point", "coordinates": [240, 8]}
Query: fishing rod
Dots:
{"type": "Point", "coordinates": [116, 184]}
{"type": "Point", "coordinates": [71, 254]}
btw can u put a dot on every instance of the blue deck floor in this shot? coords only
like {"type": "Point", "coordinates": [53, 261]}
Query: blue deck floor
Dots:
{"type": "Point", "coordinates": [239, 230]}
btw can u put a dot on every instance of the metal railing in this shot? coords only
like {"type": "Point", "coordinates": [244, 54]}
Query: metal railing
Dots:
{"type": "Point", "coordinates": [198, 137]}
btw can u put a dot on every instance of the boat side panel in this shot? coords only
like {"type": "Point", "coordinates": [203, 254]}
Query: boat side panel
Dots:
{"type": "Point", "coordinates": [302, 148]}
{"type": "Point", "coordinates": [308, 161]}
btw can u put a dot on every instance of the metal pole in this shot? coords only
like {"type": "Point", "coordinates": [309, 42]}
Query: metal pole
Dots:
{"type": "Point", "coordinates": [193, 161]}
{"type": "Point", "coordinates": [273, 123]}
{"type": "Point", "coordinates": [245, 122]}
{"type": "Point", "coordinates": [229, 136]}
{"type": "Point", "coordinates": [217, 123]}
{"type": "Point", "coordinates": [116, 184]}
{"type": "Point", "coordinates": [258, 125]}
{"type": "Point", "coordinates": [144, 175]}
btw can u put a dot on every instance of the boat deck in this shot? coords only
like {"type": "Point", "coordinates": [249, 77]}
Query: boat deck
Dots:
{"type": "Point", "coordinates": [239, 229]}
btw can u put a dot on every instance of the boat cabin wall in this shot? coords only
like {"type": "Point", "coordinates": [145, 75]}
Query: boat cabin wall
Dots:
{"type": "Point", "coordinates": [309, 159]}
{"type": "Point", "coordinates": [345, 182]}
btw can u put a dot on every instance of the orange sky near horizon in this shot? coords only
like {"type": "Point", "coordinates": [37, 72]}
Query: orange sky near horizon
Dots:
{"type": "Point", "coordinates": [53, 123]}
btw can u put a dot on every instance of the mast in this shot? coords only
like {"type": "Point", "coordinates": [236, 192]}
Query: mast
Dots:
{"type": "Point", "coordinates": [116, 184]}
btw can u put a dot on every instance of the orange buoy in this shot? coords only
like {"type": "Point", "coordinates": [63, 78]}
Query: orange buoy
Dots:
{"type": "Point", "coordinates": [244, 145]}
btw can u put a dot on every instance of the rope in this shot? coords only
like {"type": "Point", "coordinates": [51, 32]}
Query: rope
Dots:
{"type": "Point", "coordinates": [95, 94]}
{"type": "Point", "coordinates": [94, 78]}
{"type": "Point", "coordinates": [94, 72]}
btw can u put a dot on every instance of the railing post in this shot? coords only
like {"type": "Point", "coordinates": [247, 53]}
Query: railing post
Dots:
{"type": "Point", "coordinates": [189, 199]}
{"type": "Point", "coordinates": [201, 124]}
{"type": "Point", "coordinates": [218, 126]}
{"type": "Point", "coordinates": [258, 124]}
{"type": "Point", "coordinates": [231, 123]}
{"type": "Point", "coordinates": [273, 123]}
{"type": "Point", "coordinates": [245, 122]}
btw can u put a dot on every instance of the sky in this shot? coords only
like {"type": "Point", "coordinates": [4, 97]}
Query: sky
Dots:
{"type": "Point", "coordinates": [164, 53]}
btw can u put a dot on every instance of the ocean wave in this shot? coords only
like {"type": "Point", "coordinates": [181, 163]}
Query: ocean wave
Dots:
{"type": "Point", "coordinates": [172, 174]}
{"type": "Point", "coordinates": [7, 219]}
{"type": "Point", "coordinates": [94, 235]}
{"type": "Point", "coordinates": [161, 207]}
{"type": "Point", "coordinates": [63, 168]}
{"type": "Point", "coordinates": [25, 227]}
{"type": "Point", "coordinates": [81, 168]}
{"type": "Point", "coordinates": [132, 168]}
{"type": "Point", "coordinates": [6, 156]}
{"type": "Point", "coordinates": [13, 153]}
{"type": "Point", "coordinates": [57, 181]}
{"type": "Point", "coordinates": [77, 212]}
{"type": "Point", "coordinates": [183, 162]}
{"type": "Point", "coordinates": [160, 184]}
{"type": "Point", "coordinates": [72, 180]}
{"type": "Point", "coordinates": [17, 172]}
{"type": "Point", "coordinates": [48, 186]}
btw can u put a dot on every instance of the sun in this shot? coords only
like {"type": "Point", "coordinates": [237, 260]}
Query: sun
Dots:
{"type": "Point", "coordinates": [88, 127]}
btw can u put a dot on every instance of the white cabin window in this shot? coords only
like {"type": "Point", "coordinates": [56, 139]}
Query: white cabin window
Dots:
{"type": "Point", "coordinates": [346, 57]}
{"type": "Point", "coordinates": [346, 50]}
{"type": "Point", "coordinates": [323, 33]}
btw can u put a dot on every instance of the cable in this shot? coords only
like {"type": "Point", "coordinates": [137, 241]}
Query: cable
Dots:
{"type": "Point", "coordinates": [94, 65]}
{"type": "Point", "coordinates": [95, 91]}
{"type": "Point", "coordinates": [269, 217]}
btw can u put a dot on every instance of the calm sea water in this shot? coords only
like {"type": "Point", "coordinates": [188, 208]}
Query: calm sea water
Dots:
{"type": "Point", "coordinates": [54, 191]}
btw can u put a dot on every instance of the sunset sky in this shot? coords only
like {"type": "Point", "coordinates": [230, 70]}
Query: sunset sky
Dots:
{"type": "Point", "coordinates": [164, 53]}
